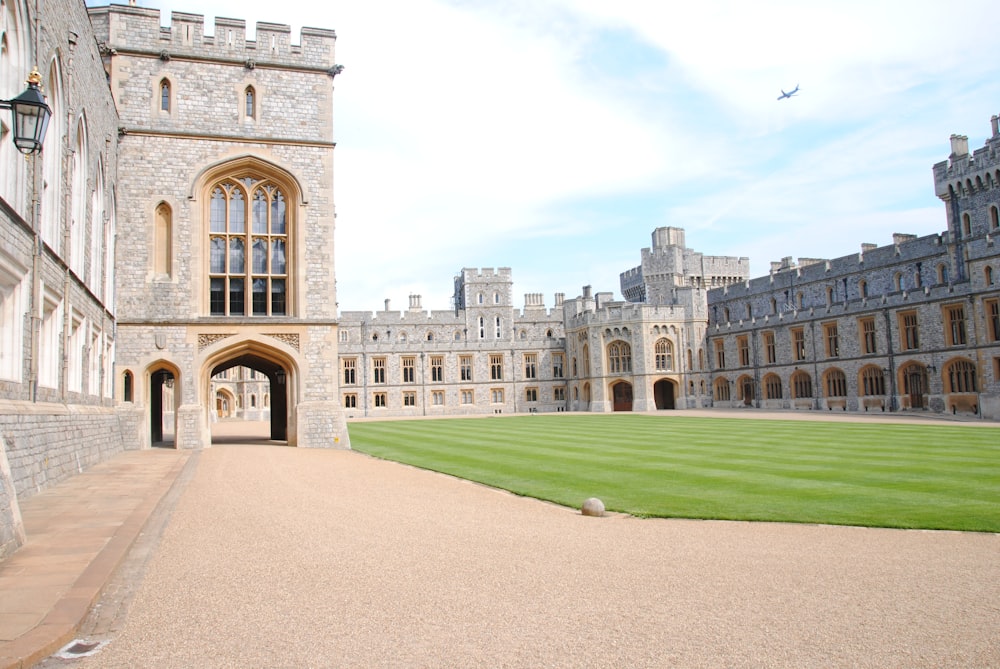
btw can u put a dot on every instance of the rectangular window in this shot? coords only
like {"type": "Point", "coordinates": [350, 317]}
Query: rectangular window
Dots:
{"type": "Point", "coordinates": [530, 365]}
{"type": "Point", "coordinates": [437, 398]}
{"type": "Point", "coordinates": [409, 399]}
{"type": "Point", "coordinates": [832, 336]}
{"type": "Point", "coordinates": [437, 368]}
{"type": "Point", "coordinates": [531, 394]}
{"type": "Point", "coordinates": [496, 395]}
{"type": "Point", "coordinates": [720, 354]}
{"type": "Point", "coordinates": [743, 347]}
{"type": "Point", "coordinates": [378, 371]}
{"type": "Point", "coordinates": [993, 319]}
{"type": "Point", "coordinates": [868, 342]}
{"type": "Point", "coordinates": [496, 366]}
{"type": "Point", "coordinates": [799, 343]}
{"type": "Point", "coordinates": [557, 365]}
{"type": "Point", "coordinates": [409, 370]}
{"type": "Point", "coordinates": [956, 324]}
{"type": "Point", "coordinates": [468, 397]}
{"type": "Point", "coordinates": [465, 364]}
{"type": "Point", "coordinates": [379, 400]}
{"type": "Point", "coordinates": [350, 371]}
{"type": "Point", "coordinates": [908, 328]}
{"type": "Point", "coordinates": [351, 401]}
{"type": "Point", "coordinates": [769, 349]}
{"type": "Point", "coordinates": [559, 394]}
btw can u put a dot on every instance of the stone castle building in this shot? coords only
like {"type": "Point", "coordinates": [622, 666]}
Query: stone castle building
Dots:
{"type": "Point", "coordinates": [912, 326]}
{"type": "Point", "coordinates": [168, 260]}
{"type": "Point", "coordinates": [178, 225]}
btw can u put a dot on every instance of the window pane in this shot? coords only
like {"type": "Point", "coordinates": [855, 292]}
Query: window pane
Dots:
{"type": "Point", "coordinates": [277, 297]}
{"type": "Point", "coordinates": [259, 212]}
{"type": "Point", "coordinates": [218, 296]}
{"type": "Point", "coordinates": [278, 214]}
{"type": "Point", "coordinates": [236, 297]}
{"type": "Point", "coordinates": [217, 211]}
{"type": "Point", "coordinates": [259, 256]}
{"type": "Point", "coordinates": [237, 256]}
{"type": "Point", "coordinates": [218, 255]}
{"type": "Point", "coordinates": [237, 213]}
{"type": "Point", "coordinates": [278, 256]}
{"type": "Point", "coordinates": [260, 297]}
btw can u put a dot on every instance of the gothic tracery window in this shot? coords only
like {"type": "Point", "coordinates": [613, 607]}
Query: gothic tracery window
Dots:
{"type": "Point", "coordinates": [248, 242]}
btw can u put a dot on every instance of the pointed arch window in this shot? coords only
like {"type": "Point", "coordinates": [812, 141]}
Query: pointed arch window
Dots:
{"type": "Point", "coordinates": [250, 102]}
{"type": "Point", "coordinates": [248, 264]}
{"type": "Point", "coordinates": [665, 355]}
{"type": "Point", "coordinates": [164, 95]}
{"type": "Point", "coordinates": [619, 357]}
{"type": "Point", "coordinates": [163, 241]}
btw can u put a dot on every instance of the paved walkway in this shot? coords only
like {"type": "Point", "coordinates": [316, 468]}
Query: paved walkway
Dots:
{"type": "Point", "coordinates": [78, 533]}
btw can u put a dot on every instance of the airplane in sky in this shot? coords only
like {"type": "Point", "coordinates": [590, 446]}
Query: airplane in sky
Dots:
{"type": "Point", "coordinates": [789, 93]}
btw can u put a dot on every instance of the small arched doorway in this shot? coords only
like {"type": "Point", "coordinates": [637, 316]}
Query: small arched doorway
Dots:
{"type": "Point", "coordinates": [622, 394]}
{"type": "Point", "coordinates": [162, 389]}
{"type": "Point", "coordinates": [664, 392]}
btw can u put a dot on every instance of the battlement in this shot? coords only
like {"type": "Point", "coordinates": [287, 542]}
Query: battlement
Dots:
{"type": "Point", "coordinates": [963, 174]}
{"type": "Point", "coordinates": [138, 30]}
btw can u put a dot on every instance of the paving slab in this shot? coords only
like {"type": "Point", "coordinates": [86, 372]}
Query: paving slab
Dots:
{"type": "Point", "coordinates": [78, 532]}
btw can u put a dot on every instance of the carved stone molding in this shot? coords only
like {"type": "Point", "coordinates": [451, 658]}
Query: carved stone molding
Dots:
{"type": "Point", "coordinates": [292, 339]}
{"type": "Point", "coordinates": [206, 340]}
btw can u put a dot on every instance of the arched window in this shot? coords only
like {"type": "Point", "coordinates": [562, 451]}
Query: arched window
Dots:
{"type": "Point", "coordinates": [942, 272]}
{"type": "Point", "coordinates": [163, 240]}
{"type": "Point", "coordinates": [966, 225]}
{"type": "Point", "coordinates": [14, 54]}
{"type": "Point", "coordinates": [872, 381]}
{"type": "Point", "coordinates": [994, 218]}
{"type": "Point", "coordinates": [78, 212]}
{"type": "Point", "coordinates": [250, 102]}
{"type": "Point", "coordinates": [863, 288]}
{"type": "Point", "coordinates": [482, 328]}
{"type": "Point", "coordinates": [988, 275]}
{"type": "Point", "coordinates": [164, 95]}
{"type": "Point", "coordinates": [836, 383]}
{"type": "Point", "coordinates": [961, 376]}
{"type": "Point", "coordinates": [664, 350]}
{"type": "Point", "coordinates": [127, 386]}
{"type": "Point", "coordinates": [52, 169]}
{"type": "Point", "coordinates": [97, 211]}
{"type": "Point", "coordinates": [619, 357]}
{"type": "Point", "coordinates": [772, 387]}
{"type": "Point", "coordinates": [801, 385]}
{"type": "Point", "coordinates": [249, 221]}
{"type": "Point", "coordinates": [897, 280]}
{"type": "Point", "coordinates": [499, 330]}
{"type": "Point", "coordinates": [721, 389]}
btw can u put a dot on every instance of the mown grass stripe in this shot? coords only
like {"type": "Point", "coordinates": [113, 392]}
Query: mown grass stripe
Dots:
{"type": "Point", "coordinates": [829, 472]}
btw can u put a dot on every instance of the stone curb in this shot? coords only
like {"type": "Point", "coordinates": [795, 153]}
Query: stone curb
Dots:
{"type": "Point", "coordinates": [62, 622]}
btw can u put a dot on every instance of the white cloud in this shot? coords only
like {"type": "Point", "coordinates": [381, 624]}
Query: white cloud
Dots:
{"type": "Point", "coordinates": [467, 128]}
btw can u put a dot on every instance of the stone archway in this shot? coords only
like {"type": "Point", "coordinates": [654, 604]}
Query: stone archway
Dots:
{"type": "Point", "coordinates": [664, 394]}
{"type": "Point", "coordinates": [277, 375]}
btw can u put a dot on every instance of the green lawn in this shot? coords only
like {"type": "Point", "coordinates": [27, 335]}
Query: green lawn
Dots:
{"type": "Point", "coordinates": [914, 475]}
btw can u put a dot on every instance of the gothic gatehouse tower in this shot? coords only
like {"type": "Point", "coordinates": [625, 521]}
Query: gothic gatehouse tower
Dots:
{"type": "Point", "coordinates": [227, 255]}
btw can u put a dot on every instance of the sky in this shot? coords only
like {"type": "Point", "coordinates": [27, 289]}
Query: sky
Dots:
{"type": "Point", "coordinates": [554, 136]}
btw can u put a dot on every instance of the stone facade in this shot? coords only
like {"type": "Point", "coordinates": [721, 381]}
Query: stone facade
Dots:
{"type": "Point", "coordinates": [482, 357]}
{"type": "Point", "coordinates": [230, 260]}
{"type": "Point", "coordinates": [57, 325]}
{"type": "Point", "coordinates": [910, 326]}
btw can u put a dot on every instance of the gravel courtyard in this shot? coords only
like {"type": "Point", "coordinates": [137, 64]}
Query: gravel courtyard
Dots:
{"type": "Point", "coordinates": [284, 557]}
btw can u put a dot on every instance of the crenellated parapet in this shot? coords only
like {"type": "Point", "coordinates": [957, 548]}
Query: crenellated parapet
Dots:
{"type": "Point", "coordinates": [964, 174]}
{"type": "Point", "coordinates": [137, 30]}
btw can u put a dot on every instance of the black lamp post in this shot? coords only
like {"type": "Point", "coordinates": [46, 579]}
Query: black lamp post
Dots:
{"type": "Point", "coordinates": [31, 116]}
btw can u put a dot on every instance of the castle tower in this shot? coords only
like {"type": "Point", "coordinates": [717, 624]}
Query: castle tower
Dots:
{"type": "Point", "coordinates": [226, 237]}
